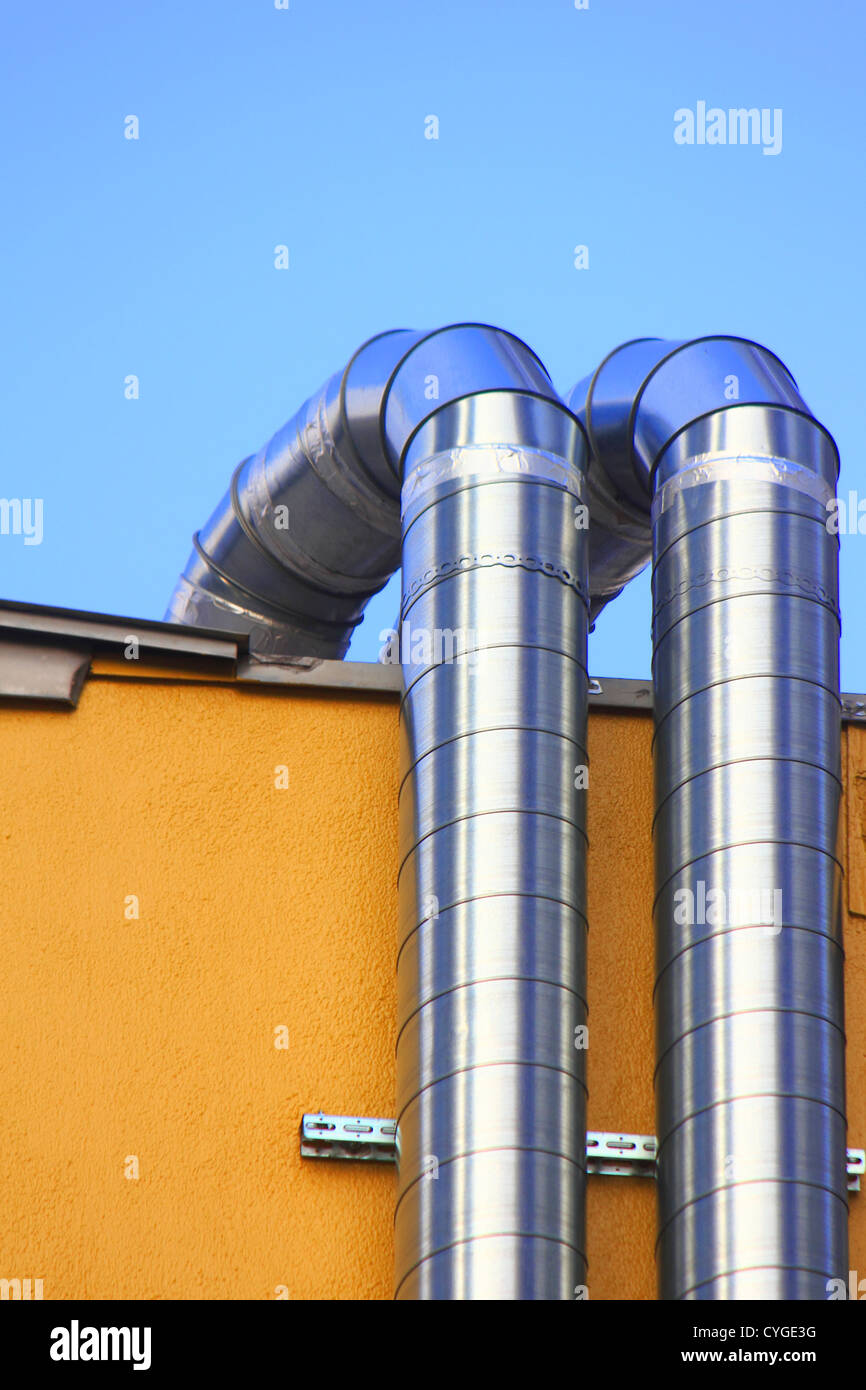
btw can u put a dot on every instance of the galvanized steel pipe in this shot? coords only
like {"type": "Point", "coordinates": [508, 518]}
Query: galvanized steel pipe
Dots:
{"type": "Point", "coordinates": [492, 937]}
{"type": "Point", "coordinates": [492, 924]}
{"type": "Point", "coordinates": [309, 528]}
{"type": "Point", "coordinates": [750, 1085]}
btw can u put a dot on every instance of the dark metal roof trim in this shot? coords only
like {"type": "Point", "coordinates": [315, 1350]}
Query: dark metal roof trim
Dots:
{"type": "Point", "coordinates": [30, 671]}
{"type": "Point", "coordinates": [614, 692]}
{"type": "Point", "coordinates": [103, 631]}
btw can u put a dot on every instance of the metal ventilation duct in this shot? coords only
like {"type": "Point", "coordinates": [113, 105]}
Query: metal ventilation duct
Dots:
{"type": "Point", "coordinates": [707, 449]}
{"type": "Point", "coordinates": [714, 437]}
{"type": "Point", "coordinates": [309, 529]}
{"type": "Point", "coordinates": [492, 950]}
{"type": "Point", "coordinates": [491, 1090]}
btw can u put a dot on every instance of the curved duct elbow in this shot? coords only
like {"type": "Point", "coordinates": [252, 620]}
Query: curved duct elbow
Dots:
{"type": "Point", "coordinates": [639, 396]}
{"type": "Point", "coordinates": [309, 529]}
{"type": "Point", "coordinates": [620, 533]}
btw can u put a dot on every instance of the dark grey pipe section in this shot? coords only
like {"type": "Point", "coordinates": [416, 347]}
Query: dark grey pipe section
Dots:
{"type": "Point", "coordinates": [309, 529]}
{"type": "Point", "coordinates": [714, 438]}
{"type": "Point", "coordinates": [620, 538]}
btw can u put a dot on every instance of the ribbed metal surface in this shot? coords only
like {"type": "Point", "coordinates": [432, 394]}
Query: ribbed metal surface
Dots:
{"type": "Point", "coordinates": [750, 1045]}
{"type": "Point", "coordinates": [491, 968]}
{"type": "Point", "coordinates": [308, 529]}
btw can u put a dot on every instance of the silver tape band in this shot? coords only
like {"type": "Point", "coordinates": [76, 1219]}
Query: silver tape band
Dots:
{"type": "Point", "coordinates": [488, 461]}
{"type": "Point", "coordinates": [757, 468]}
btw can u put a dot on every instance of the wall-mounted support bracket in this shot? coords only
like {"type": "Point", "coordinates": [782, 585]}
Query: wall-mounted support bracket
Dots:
{"type": "Point", "coordinates": [348, 1136]}
{"type": "Point", "coordinates": [856, 1159]}
{"type": "Point", "coordinates": [620, 1155]}
{"type": "Point", "coordinates": [607, 1153]}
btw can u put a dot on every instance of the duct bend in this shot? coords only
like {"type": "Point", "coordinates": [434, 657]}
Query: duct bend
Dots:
{"type": "Point", "coordinates": [713, 441]}
{"type": "Point", "coordinates": [464, 425]}
{"type": "Point", "coordinates": [309, 529]}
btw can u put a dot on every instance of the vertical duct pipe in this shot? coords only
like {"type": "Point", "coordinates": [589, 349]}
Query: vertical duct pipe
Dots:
{"type": "Point", "coordinates": [750, 1082]}
{"type": "Point", "coordinates": [492, 925]}
{"type": "Point", "coordinates": [492, 930]}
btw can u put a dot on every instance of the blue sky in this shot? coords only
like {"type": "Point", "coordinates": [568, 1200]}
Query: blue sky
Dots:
{"type": "Point", "coordinates": [305, 127]}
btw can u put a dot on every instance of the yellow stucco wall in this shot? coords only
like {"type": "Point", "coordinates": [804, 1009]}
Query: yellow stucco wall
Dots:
{"type": "Point", "coordinates": [262, 909]}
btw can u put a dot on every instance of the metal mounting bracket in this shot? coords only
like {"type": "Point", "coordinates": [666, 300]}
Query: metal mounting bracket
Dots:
{"type": "Point", "coordinates": [856, 1167]}
{"type": "Point", "coordinates": [620, 1155]}
{"type": "Point", "coordinates": [346, 1136]}
{"type": "Point", "coordinates": [608, 1154]}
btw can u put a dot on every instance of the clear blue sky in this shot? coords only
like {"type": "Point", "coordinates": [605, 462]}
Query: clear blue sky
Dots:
{"type": "Point", "coordinates": [305, 127]}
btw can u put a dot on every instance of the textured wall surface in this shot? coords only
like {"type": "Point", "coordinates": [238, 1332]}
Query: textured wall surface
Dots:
{"type": "Point", "coordinates": [264, 908]}
{"type": "Point", "coordinates": [854, 921]}
{"type": "Point", "coordinates": [620, 1213]}
{"type": "Point", "coordinates": [260, 908]}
